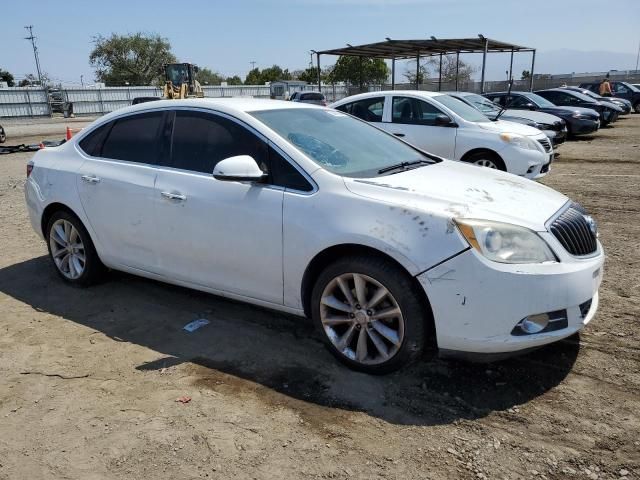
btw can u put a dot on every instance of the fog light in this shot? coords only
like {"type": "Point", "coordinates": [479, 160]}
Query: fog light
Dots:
{"type": "Point", "coordinates": [542, 322]}
{"type": "Point", "coordinates": [534, 323]}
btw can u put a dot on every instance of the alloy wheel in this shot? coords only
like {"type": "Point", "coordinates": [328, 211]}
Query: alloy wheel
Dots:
{"type": "Point", "coordinates": [485, 162]}
{"type": "Point", "coordinates": [67, 249]}
{"type": "Point", "coordinates": [361, 318]}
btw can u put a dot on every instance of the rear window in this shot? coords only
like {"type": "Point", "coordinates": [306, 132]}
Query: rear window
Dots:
{"type": "Point", "coordinates": [312, 96]}
{"type": "Point", "coordinates": [134, 138]}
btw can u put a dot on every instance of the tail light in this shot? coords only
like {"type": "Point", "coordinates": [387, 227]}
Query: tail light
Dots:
{"type": "Point", "coordinates": [29, 169]}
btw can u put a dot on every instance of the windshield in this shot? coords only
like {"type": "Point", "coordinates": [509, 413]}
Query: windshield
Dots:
{"type": "Point", "coordinates": [632, 87]}
{"type": "Point", "coordinates": [460, 108]}
{"type": "Point", "coordinates": [541, 101]}
{"type": "Point", "coordinates": [483, 104]}
{"type": "Point", "coordinates": [178, 74]}
{"type": "Point", "coordinates": [338, 142]}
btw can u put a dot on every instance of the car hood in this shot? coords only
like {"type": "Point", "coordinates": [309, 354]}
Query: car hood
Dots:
{"type": "Point", "coordinates": [456, 190]}
{"type": "Point", "coordinates": [502, 126]}
{"type": "Point", "coordinates": [570, 110]}
{"type": "Point", "coordinates": [539, 117]}
{"type": "Point", "coordinates": [610, 105]}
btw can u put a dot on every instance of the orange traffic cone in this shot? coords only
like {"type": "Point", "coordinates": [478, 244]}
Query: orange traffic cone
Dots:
{"type": "Point", "coordinates": [69, 134]}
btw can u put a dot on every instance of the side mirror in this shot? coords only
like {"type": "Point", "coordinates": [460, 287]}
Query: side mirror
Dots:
{"type": "Point", "coordinates": [443, 120]}
{"type": "Point", "coordinates": [531, 106]}
{"type": "Point", "coordinates": [241, 168]}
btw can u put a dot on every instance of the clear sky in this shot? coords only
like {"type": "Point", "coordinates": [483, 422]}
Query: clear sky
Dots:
{"type": "Point", "coordinates": [226, 35]}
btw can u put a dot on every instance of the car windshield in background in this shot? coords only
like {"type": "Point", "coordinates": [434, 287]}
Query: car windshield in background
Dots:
{"type": "Point", "coordinates": [483, 104]}
{"type": "Point", "coordinates": [632, 87]}
{"type": "Point", "coordinates": [465, 111]}
{"type": "Point", "coordinates": [338, 142]}
{"type": "Point", "coordinates": [540, 101]}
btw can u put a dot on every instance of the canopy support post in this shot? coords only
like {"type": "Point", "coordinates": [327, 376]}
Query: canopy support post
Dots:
{"type": "Point", "coordinates": [393, 73]}
{"type": "Point", "coordinates": [533, 64]}
{"type": "Point", "coordinates": [457, 68]}
{"type": "Point", "coordinates": [440, 75]}
{"type": "Point", "coordinates": [484, 63]}
{"type": "Point", "coordinates": [418, 71]}
{"type": "Point", "coordinates": [319, 77]}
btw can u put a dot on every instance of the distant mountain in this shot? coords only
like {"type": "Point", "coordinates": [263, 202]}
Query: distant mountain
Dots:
{"type": "Point", "coordinates": [561, 61]}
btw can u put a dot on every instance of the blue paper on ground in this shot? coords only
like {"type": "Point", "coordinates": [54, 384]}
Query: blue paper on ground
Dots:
{"type": "Point", "coordinates": [196, 324]}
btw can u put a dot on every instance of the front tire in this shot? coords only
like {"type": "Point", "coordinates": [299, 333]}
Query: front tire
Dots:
{"type": "Point", "coordinates": [370, 314]}
{"type": "Point", "coordinates": [636, 107]}
{"type": "Point", "coordinates": [486, 159]}
{"type": "Point", "coordinates": [3, 135]}
{"type": "Point", "coordinates": [71, 250]}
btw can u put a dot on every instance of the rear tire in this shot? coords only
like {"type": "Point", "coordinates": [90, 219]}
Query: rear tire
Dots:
{"type": "Point", "coordinates": [486, 159]}
{"type": "Point", "coordinates": [379, 325]}
{"type": "Point", "coordinates": [636, 107]}
{"type": "Point", "coordinates": [3, 135]}
{"type": "Point", "coordinates": [71, 250]}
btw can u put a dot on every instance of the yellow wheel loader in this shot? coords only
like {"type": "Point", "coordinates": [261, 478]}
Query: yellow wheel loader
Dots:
{"type": "Point", "coordinates": [180, 81]}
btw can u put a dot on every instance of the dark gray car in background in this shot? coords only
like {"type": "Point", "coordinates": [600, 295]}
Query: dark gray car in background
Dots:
{"type": "Point", "coordinates": [315, 98]}
{"type": "Point", "coordinates": [580, 121]}
{"type": "Point", "coordinates": [553, 127]}
{"type": "Point", "coordinates": [568, 98]}
{"type": "Point", "coordinates": [619, 89]}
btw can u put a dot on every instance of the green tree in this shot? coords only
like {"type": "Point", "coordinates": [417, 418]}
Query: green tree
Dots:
{"type": "Point", "coordinates": [526, 74]}
{"type": "Point", "coordinates": [134, 59]}
{"type": "Point", "coordinates": [359, 71]}
{"type": "Point", "coordinates": [310, 75]}
{"type": "Point", "coordinates": [253, 77]}
{"type": "Point", "coordinates": [235, 80]}
{"type": "Point", "coordinates": [207, 76]}
{"type": "Point", "coordinates": [410, 75]}
{"type": "Point", "coordinates": [274, 73]}
{"type": "Point", "coordinates": [449, 69]}
{"type": "Point", "coordinates": [5, 76]}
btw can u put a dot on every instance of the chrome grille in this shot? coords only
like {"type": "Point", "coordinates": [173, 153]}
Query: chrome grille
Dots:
{"type": "Point", "coordinates": [574, 232]}
{"type": "Point", "coordinates": [546, 144]}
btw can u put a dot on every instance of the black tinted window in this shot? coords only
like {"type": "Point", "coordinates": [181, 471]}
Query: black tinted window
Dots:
{"type": "Point", "coordinates": [134, 138]}
{"type": "Point", "coordinates": [201, 140]}
{"type": "Point", "coordinates": [312, 96]}
{"type": "Point", "coordinates": [409, 110]}
{"type": "Point", "coordinates": [92, 143]}
{"type": "Point", "coordinates": [285, 175]}
{"type": "Point", "coordinates": [369, 109]}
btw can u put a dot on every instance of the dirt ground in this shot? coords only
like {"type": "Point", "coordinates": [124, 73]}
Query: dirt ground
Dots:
{"type": "Point", "coordinates": [89, 378]}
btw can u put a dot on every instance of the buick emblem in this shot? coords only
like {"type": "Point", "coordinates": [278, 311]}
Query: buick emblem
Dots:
{"type": "Point", "coordinates": [593, 226]}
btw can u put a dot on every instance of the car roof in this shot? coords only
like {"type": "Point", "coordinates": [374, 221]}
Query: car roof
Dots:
{"type": "Point", "coordinates": [417, 93]}
{"type": "Point", "coordinates": [239, 104]}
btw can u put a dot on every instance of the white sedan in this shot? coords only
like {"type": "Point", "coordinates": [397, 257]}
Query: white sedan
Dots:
{"type": "Point", "coordinates": [310, 211]}
{"type": "Point", "coordinates": [447, 126]}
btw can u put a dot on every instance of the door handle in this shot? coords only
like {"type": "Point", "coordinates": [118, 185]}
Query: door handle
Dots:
{"type": "Point", "coordinates": [90, 179]}
{"type": "Point", "coordinates": [174, 196]}
{"type": "Point", "coordinates": [399, 134]}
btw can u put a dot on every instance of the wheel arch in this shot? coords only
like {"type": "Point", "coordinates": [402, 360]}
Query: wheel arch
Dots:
{"type": "Point", "coordinates": [335, 252]}
{"type": "Point", "coordinates": [50, 210]}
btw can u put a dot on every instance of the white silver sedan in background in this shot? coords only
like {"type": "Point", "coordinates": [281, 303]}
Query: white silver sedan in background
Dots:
{"type": "Point", "coordinates": [446, 126]}
{"type": "Point", "coordinates": [304, 209]}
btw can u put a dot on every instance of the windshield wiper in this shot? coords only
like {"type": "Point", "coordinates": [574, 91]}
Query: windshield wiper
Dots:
{"type": "Point", "coordinates": [404, 166]}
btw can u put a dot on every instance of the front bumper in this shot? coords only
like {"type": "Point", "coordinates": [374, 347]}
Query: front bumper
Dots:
{"type": "Point", "coordinates": [584, 127]}
{"type": "Point", "coordinates": [476, 303]}
{"type": "Point", "coordinates": [557, 137]}
{"type": "Point", "coordinates": [526, 163]}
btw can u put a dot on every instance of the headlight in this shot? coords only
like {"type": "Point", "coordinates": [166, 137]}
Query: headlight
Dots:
{"type": "Point", "coordinates": [580, 116]}
{"type": "Point", "coordinates": [519, 141]}
{"type": "Point", "coordinates": [505, 243]}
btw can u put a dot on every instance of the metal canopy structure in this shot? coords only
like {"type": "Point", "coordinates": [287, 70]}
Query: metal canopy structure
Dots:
{"type": "Point", "coordinates": [407, 49]}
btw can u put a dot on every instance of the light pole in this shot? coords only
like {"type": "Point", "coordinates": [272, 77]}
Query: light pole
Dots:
{"type": "Point", "coordinates": [35, 51]}
{"type": "Point", "coordinates": [82, 80]}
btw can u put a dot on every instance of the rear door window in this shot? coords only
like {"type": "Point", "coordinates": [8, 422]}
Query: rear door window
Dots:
{"type": "Point", "coordinates": [369, 109]}
{"type": "Point", "coordinates": [92, 143]}
{"type": "Point", "coordinates": [201, 140]}
{"type": "Point", "coordinates": [135, 138]}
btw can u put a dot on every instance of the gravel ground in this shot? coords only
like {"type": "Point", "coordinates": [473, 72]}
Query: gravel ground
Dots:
{"type": "Point", "coordinates": [89, 378]}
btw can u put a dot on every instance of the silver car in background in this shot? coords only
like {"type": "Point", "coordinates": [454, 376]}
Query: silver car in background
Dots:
{"type": "Point", "coordinates": [314, 98]}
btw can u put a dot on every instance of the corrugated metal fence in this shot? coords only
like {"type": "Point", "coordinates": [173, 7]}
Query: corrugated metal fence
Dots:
{"type": "Point", "coordinates": [34, 102]}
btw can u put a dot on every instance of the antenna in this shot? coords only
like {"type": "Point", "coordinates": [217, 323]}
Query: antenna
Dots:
{"type": "Point", "coordinates": [35, 51]}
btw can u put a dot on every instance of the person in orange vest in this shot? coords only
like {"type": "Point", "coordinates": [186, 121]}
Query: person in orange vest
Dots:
{"type": "Point", "coordinates": [605, 88]}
